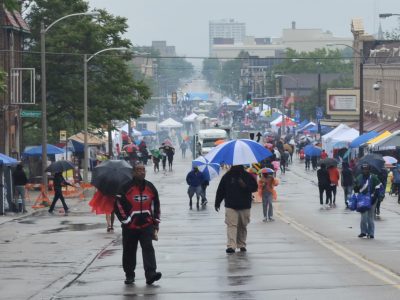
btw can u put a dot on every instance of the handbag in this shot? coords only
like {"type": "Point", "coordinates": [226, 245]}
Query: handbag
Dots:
{"type": "Point", "coordinates": [352, 202]}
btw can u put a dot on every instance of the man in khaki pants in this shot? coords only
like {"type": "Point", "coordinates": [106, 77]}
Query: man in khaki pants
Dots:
{"type": "Point", "coordinates": [236, 188]}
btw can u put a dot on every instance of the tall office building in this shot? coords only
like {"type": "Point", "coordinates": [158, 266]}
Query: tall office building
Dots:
{"type": "Point", "coordinates": [226, 29]}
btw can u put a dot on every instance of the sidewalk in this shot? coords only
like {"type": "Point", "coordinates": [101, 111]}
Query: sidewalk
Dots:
{"type": "Point", "coordinates": [30, 200]}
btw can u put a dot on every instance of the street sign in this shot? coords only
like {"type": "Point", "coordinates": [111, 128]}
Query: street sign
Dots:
{"type": "Point", "coordinates": [319, 113]}
{"type": "Point", "coordinates": [30, 114]}
{"type": "Point", "coordinates": [63, 135]}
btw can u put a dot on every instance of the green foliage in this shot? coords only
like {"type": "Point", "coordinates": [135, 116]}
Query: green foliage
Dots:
{"type": "Point", "coordinates": [393, 35]}
{"type": "Point", "coordinates": [308, 105]}
{"type": "Point", "coordinates": [170, 71]}
{"type": "Point", "coordinates": [3, 78]}
{"type": "Point", "coordinates": [225, 76]}
{"type": "Point", "coordinates": [113, 92]}
{"type": "Point", "coordinates": [320, 60]}
{"type": "Point", "coordinates": [11, 5]}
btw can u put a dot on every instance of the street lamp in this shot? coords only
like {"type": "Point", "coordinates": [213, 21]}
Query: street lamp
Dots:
{"type": "Point", "coordinates": [85, 108]}
{"type": "Point", "coordinates": [387, 15]}
{"type": "Point", "coordinates": [43, 31]}
{"type": "Point", "coordinates": [283, 105]}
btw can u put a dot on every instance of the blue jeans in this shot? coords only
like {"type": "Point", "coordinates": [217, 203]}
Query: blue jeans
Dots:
{"type": "Point", "coordinates": [348, 190]}
{"type": "Point", "coordinates": [367, 221]}
{"type": "Point", "coordinates": [267, 205]}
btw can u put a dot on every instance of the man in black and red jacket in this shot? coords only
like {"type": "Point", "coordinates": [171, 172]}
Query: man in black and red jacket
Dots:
{"type": "Point", "coordinates": [138, 209]}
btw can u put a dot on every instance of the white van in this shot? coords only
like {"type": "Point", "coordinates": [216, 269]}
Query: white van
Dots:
{"type": "Point", "coordinates": [208, 137]}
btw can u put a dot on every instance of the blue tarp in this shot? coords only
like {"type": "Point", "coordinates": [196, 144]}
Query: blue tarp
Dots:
{"type": "Point", "coordinates": [197, 96]}
{"type": "Point", "coordinates": [363, 139]}
{"type": "Point", "coordinates": [302, 124]}
{"type": "Point", "coordinates": [7, 161]}
{"type": "Point", "coordinates": [75, 146]}
{"type": "Point", "coordinates": [37, 150]}
{"type": "Point", "coordinates": [324, 129]}
{"type": "Point", "coordinates": [146, 132]}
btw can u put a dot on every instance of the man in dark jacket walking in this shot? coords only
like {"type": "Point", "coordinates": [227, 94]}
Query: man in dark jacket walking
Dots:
{"type": "Point", "coordinates": [236, 188]}
{"type": "Point", "coordinates": [324, 186]}
{"type": "Point", "coordinates": [20, 180]}
{"type": "Point", "coordinates": [195, 179]}
{"type": "Point", "coordinates": [347, 182]}
{"type": "Point", "coordinates": [138, 209]}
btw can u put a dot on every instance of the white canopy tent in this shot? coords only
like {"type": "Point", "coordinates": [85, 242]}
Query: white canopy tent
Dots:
{"type": "Point", "coordinates": [229, 102]}
{"type": "Point", "coordinates": [190, 118]}
{"type": "Point", "coordinates": [342, 133]}
{"type": "Point", "coordinates": [170, 123]}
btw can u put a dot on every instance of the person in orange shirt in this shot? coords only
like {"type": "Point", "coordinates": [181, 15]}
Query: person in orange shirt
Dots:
{"type": "Point", "coordinates": [334, 177]}
{"type": "Point", "coordinates": [324, 154]}
{"type": "Point", "coordinates": [267, 192]}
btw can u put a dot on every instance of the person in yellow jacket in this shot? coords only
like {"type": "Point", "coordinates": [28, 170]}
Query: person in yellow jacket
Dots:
{"type": "Point", "coordinates": [266, 190]}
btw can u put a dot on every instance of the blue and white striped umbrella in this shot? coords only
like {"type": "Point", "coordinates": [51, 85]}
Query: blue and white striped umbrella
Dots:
{"type": "Point", "coordinates": [209, 170]}
{"type": "Point", "coordinates": [238, 152]}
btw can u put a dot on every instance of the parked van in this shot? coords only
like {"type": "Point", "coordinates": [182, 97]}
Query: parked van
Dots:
{"type": "Point", "coordinates": [208, 137]}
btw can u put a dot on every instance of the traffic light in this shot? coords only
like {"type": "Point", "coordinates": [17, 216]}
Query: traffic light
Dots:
{"type": "Point", "coordinates": [248, 99]}
{"type": "Point", "coordinates": [174, 98]}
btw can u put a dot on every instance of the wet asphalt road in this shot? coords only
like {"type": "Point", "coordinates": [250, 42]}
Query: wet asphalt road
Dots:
{"type": "Point", "coordinates": [307, 253]}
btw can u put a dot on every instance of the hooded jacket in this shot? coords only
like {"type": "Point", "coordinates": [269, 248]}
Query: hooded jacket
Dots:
{"type": "Point", "coordinates": [230, 191]}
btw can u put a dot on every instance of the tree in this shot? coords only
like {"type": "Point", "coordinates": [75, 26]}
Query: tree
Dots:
{"type": "Point", "coordinates": [113, 92]}
{"type": "Point", "coordinates": [319, 60]}
{"type": "Point", "coordinates": [394, 34]}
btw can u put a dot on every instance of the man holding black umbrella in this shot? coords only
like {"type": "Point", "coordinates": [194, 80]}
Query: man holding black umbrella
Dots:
{"type": "Point", "coordinates": [138, 209]}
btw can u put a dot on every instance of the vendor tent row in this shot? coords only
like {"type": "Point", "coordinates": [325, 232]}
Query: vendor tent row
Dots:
{"type": "Point", "coordinates": [345, 137]}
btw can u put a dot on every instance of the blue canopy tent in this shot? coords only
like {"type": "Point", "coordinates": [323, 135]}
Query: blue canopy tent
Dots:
{"type": "Point", "coordinates": [197, 96]}
{"type": "Point", "coordinates": [146, 132]}
{"type": "Point", "coordinates": [6, 194]}
{"type": "Point", "coordinates": [324, 129]}
{"type": "Point", "coordinates": [7, 161]}
{"type": "Point", "coordinates": [362, 139]}
{"type": "Point", "coordinates": [37, 150]}
{"type": "Point", "coordinates": [303, 123]}
{"type": "Point", "coordinates": [75, 146]}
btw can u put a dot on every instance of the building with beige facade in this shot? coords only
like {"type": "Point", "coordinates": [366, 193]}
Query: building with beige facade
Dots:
{"type": "Point", "coordinates": [296, 38]}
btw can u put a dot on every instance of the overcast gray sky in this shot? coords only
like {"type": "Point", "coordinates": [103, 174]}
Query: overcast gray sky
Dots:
{"type": "Point", "coordinates": [184, 23]}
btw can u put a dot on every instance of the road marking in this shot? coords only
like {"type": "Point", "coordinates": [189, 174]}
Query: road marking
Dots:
{"type": "Point", "coordinates": [354, 258]}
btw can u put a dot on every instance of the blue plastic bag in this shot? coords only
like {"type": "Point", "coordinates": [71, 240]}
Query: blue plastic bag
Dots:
{"type": "Point", "coordinates": [352, 202]}
{"type": "Point", "coordinates": [364, 202]}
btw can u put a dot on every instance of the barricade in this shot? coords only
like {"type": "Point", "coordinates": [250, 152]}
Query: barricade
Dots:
{"type": "Point", "coordinates": [42, 200]}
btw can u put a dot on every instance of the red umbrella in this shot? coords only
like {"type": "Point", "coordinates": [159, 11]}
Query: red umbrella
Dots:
{"type": "Point", "coordinates": [288, 122]}
{"type": "Point", "coordinates": [131, 148]}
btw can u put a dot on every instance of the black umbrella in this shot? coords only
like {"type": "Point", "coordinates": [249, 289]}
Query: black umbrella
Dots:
{"type": "Point", "coordinates": [60, 166]}
{"type": "Point", "coordinates": [375, 161]}
{"type": "Point", "coordinates": [328, 162]}
{"type": "Point", "coordinates": [111, 175]}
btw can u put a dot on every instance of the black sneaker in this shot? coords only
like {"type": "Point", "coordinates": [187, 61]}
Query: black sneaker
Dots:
{"type": "Point", "coordinates": [243, 249]}
{"type": "Point", "coordinates": [204, 202]}
{"type": "Point", "coordinates": [155, 277]}
{"type": "Point", "coordinates": [361, 235]}
{"type": "Point", "coordinates": [371, 237]}
{"type": "Point", "coordinates": [129, 280]}
{"type": "Point", "coordinates": [230, 250]}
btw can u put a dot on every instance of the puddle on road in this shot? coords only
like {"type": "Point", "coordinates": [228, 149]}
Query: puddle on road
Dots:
{"type": "Point", "coordinates": [74, 227]}
{"type": "Point", "coordinates": [106, 253]}
{"type": "Point", "coordinates": [29, 221]}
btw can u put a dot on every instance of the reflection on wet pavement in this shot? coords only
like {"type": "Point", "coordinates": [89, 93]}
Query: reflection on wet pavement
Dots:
{"type": "Point", "coordinates": [74, 227]}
